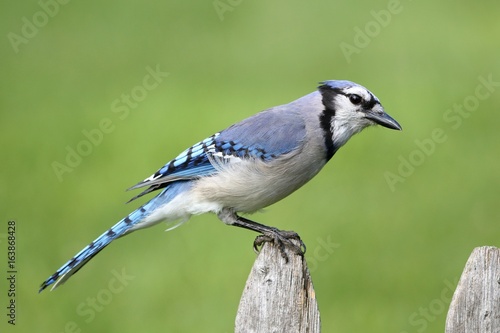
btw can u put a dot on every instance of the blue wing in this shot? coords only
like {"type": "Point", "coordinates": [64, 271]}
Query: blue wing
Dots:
{"type": "Point", "coordinates": [265, 136]}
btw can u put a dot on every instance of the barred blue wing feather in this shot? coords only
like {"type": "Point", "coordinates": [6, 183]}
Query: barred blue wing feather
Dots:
{"type": "Point", "coordinates": [192, 163]}
{"type": "Point", "coordinates": [266, 135]}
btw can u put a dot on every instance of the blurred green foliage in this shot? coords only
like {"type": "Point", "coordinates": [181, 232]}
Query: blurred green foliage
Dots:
{"type": "Point", "coordinates": [404, 210]}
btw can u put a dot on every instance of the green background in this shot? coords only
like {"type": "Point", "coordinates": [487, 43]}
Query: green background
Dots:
{"type": "Point", "coordinates": [396, 251]}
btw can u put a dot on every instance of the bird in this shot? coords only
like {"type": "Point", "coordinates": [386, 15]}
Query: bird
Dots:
{"type": "Point", "coordinates": [248, 166]}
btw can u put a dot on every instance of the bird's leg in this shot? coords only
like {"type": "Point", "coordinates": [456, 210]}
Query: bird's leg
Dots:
{"type": "Point", "coordinates": [280, 238]}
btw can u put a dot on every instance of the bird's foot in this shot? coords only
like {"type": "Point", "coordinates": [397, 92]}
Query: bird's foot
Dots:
{"type": "Point", "coordinates": [282, 239]}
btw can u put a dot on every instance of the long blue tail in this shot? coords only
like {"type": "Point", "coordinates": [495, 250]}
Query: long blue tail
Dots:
{"type": "Point", "coordinates": [82, 257]}
{"type": "Point", "coordinates": [118, 230]}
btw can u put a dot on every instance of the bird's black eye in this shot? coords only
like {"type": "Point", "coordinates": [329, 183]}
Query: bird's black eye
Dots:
{"type": "Point", "coordinates": [355, 99]}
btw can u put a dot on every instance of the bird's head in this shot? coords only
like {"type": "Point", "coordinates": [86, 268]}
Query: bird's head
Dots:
{"type": "Point", "coordinates": [348, 109]}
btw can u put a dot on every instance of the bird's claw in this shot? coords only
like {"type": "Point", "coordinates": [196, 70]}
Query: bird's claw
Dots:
{"type": "Point", "coordinates": [282, 239]}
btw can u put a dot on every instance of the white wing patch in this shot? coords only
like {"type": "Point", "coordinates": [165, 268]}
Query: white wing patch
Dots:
{"type": "Point", "coordinates": [219, 160]}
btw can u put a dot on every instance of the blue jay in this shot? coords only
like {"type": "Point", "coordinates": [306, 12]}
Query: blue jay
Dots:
{"type": "Point", "coordinates": [248, 166]}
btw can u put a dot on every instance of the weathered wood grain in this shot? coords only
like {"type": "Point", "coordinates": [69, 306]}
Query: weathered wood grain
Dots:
{"type": "Point", "coordinates": [475, 306]}
{"type": "Point", "coordinates": [278, 296]}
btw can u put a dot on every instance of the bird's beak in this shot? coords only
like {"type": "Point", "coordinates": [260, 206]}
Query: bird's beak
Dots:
{"type": "Point", "coordinates": [383, 119]}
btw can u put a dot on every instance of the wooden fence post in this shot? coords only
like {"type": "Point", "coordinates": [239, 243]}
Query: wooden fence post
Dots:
{"type": "Point", "coordinates": [278, 296]}
{"type": "Point", "coordinates": [475, 306]}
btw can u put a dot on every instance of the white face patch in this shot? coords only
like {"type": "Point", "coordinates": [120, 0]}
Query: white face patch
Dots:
{"type": "Point", "coordinates": [378, 108]}
{"type": "Point", "coordinates": [351, 118]}
{"type": "Point", "coordinates": [356, 90]}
